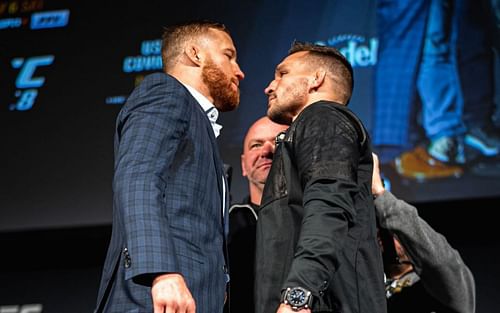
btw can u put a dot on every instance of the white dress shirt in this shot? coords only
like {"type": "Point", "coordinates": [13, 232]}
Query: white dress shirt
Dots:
{"type": "Point", "coordinates": [212, 114]}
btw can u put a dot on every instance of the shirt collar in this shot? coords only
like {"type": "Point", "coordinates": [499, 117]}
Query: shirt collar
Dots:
{"type": "Point", "coordinates": [208, 107]}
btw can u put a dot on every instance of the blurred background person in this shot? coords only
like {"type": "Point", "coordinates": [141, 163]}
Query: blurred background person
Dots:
{"type": "Point", "coordinates": [424, 273]}
{"type": "Point", "coordinates": [433, 87]}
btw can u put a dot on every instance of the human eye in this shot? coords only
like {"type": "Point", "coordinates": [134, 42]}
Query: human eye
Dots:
{"type": "Point", "coordinates": [229, 54]}
{"type": "Point", "coordinates": [255, 145]}
{"type": "Point", "coordinates": [281, 71]}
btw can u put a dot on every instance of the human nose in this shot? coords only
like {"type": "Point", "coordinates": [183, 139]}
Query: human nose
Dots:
{"type": "Point", "coordinates": [239, 73]}
{"type": "Point", "coordinates": [270, 88]}
{"type": "Point", "coordinates": [267, 150]}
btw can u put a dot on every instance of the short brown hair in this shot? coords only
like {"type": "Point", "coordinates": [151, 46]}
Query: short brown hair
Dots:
{"type": "Point", "coordinates": [334, 62]}
{"type": "Point", "coordinates": [175, 36]}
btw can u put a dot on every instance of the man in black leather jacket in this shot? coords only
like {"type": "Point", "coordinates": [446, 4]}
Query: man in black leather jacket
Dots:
{"type": "Point", "coordinates": [317, 249]}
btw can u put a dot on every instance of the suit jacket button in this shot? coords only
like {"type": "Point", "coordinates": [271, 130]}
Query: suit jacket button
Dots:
{"type": "Point", "coordinates": [126, 258]}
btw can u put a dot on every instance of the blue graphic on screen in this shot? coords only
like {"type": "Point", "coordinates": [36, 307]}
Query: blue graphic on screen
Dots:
{"type": "Point", "coordinates": [11, 23]}
{"type": "Point", "coordinates": [26, 82]}
{"type": "Point", "coordinates": [50, 19]}
{"type": "Point", "coordinates": [149, 60]}
{"type": "Point", "coordinates": [358, 50]}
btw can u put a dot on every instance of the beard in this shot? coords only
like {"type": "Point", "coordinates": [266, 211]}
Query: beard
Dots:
{"type": "Point", "coordinates": [279, 114]}
{"type": "Point", "coordinates": [289, 104]}
{"type": "Point", "coordinates": [220, 87]}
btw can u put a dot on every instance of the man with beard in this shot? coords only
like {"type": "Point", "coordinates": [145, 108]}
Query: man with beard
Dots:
{"type": "Point", "coordinates": [167, 250]}
{"type": "Point", "coordinates": [256, 160]}
{"type": "Point", "coordinates": [317, 248]}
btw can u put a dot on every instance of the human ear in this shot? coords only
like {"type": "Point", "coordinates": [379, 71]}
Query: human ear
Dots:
{"type": "Point", "coordinates": [319, 78]}
{"type": "Point", "coordinates": [243, 171]}
{"type": "Point", "coordinates": [192, 52]}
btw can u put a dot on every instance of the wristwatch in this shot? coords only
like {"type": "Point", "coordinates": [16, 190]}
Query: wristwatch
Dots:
{"type": "Point", "coordinates": [297, 297]}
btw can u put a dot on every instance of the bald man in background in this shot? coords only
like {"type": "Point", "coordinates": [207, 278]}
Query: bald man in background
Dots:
{"type": "Point", "coordinates": [256, 160]}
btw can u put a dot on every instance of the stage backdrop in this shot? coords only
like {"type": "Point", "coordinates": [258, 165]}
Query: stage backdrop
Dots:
{"type": "Point", "coordinates": [66, 68]}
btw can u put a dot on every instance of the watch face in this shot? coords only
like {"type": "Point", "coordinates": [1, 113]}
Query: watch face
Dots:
{"type": "Point", "coordinates": [297, 297]}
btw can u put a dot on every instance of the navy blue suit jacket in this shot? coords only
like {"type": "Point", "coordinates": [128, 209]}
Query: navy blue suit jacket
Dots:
{"type": "Point", "coordinates": [168, 191]}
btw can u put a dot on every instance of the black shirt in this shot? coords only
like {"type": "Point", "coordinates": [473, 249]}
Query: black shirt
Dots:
{"type": "Point", "coordinates": [241, 247]}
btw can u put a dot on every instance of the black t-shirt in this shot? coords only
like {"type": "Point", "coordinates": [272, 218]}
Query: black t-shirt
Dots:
{"type": "Point", "coordinates": [241, 247]}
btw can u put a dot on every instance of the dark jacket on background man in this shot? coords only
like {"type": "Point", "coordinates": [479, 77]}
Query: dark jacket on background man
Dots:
{"type": "Point", "coordinates": [316, 225]}
{"type": "Point", "coordinates": [241, 248]}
